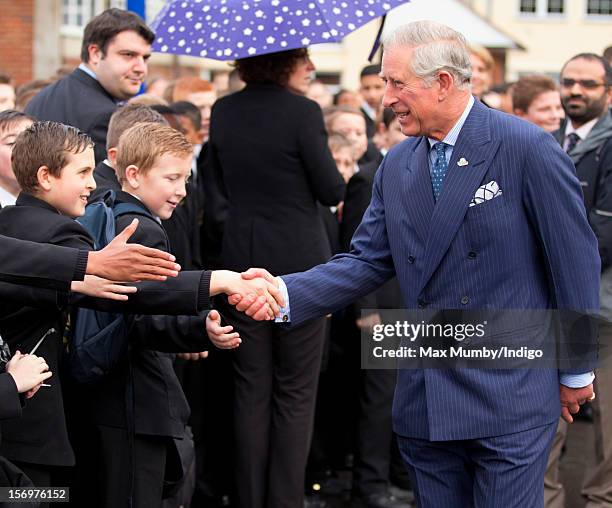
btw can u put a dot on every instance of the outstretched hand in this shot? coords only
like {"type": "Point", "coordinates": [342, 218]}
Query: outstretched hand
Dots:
{"type": "Point", "coordinates": [572, 399]}
{"type": "Point", "coordinates": [98, 287]}
{"type": "Point", "coordinates": [131, 262]}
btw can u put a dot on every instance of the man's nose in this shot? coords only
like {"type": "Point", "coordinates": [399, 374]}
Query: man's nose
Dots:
{"type": "Point", "coordinates": [389, 97]}
{"type": "Point", "coordinates": [140, 65]}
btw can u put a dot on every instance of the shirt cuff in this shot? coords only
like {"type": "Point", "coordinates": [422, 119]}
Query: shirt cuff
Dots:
{"type": "Point", "coordinates": [577, 380]}
{"type": "Point", "coordinates": [285, 312]}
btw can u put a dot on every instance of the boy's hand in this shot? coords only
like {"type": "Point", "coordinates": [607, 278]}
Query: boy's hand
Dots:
{"type": "Point", "coordinates": [102, 288]}
{"type": "Point", "coordinates": [28, 371]}
{"type": "Point", "coordinates": [131, 262]}
{"type": "Point", "coordinates": [221, 336]}
{"type": "Point", "coordinates": [248, 304]}
{"type": "Point", "coordinates": [262, 295]}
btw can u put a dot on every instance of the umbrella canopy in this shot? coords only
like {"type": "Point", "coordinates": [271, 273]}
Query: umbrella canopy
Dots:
{"type": "Point", "coordinates": [232, 29]}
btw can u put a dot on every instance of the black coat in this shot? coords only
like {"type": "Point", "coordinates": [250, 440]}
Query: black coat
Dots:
{"type": "Point", "coordinates": [78, 100]}
{"type": "Point", "coordinates": [269, 160]}
{"type": "Point", "coordinates": [40, 435]}
{"type": "Point", "coordinates": [43, 419]}
{"type": "Point", "coordinates": [594, 170]}
{"type": "Point", "coordinates": [160, 407]}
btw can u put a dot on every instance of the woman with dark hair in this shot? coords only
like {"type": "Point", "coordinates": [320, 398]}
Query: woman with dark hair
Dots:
{"type": "Point", "coordinates": [270, 165]}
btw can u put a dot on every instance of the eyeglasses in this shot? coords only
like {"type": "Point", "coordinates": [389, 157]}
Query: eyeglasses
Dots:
{"type": "Point", "coordinates": [587, 84]}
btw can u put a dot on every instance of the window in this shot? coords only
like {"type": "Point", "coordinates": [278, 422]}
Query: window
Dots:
{"type": "Point", "coordinates": [542, 8]}
{"type": "Point", "coordinates": [76, 13]}
{"type": "Point", "coordinates": [555, 6]}
{"type": "Point", "coordinates": [528, 6]}
{"type": "Point", "coordinates": [599, 7]}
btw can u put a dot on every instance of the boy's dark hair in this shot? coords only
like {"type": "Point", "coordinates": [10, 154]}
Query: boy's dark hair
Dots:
{"type": "Point", "coordinates": [45, 144]}
{"type": "Point", "coordinates": [11, 117]}
{"type": "Point", "coordinates": [188, 110]}
{"type": "Point", "coordinates": [527, 88]}
{"type": "Point", "coordinates": [170, 116]}
{"type": "Point", "coordinates": [5, 79]}
{"type": "Point", "coordinates": [370, 70]}
{"type": "Point", "coordinates": [270, 68]}
{"type": "Point", "coordinates": [104, 27]}
{"type": "Point", "coordinates": [125, 117]}
{"type": "Point", "coordinates": [594, 57]}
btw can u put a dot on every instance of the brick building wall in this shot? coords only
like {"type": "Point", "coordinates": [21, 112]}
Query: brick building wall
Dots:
{"type": "Point", "coordinates": [16, 39]}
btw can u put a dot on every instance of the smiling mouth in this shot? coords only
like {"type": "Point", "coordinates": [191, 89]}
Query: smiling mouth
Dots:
{"type": "Point", "coordinates": [172, 204]}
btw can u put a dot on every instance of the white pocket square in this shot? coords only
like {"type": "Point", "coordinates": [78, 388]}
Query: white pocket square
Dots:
{"type": "Point", "coordinates": [486, 192]}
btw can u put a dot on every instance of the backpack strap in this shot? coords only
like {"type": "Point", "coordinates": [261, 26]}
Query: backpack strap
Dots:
{"type": "Point", "coordinates": [130, 208]}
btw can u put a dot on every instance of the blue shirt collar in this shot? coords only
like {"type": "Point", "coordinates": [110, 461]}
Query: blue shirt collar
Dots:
{"type": "Point", "coordinates": [453, 134]}
{"type": "Point", "coordinates": [88, 71]}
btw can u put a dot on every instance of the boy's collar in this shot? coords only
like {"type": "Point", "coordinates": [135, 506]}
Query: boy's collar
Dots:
{"type": "Point", "coordinates": [25, 199]}
{"type": "Point", "coordinates": [126, 196]}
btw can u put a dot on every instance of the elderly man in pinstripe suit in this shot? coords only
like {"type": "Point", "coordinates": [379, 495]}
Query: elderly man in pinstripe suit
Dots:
{"type": "Point", "coordinates": [475, 210]}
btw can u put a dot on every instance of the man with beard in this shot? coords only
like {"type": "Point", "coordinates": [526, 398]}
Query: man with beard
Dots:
{"type": "Point", "coordinates": [586, 135]}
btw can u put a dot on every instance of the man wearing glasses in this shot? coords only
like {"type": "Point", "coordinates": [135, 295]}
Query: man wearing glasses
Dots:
{"type": "Point", "coordinates": [586, 136]}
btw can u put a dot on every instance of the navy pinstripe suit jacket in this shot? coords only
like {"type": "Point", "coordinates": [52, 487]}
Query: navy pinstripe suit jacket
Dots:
{"type": "Point", "coordinates": [534, 250]}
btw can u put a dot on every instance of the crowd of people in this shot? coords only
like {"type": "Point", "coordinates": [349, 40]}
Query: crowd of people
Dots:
{"type": "Point", "coordinates": [247, 390]}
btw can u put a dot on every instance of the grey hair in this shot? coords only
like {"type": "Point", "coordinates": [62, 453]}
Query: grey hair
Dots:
{"type": "Point", "coordinates": [436, 48]}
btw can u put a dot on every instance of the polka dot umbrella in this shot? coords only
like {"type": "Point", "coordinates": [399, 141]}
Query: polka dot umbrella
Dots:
{"type": "Point", "coordinates": [231, 29]}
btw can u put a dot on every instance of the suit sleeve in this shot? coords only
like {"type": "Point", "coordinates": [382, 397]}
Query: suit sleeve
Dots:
{"type": "Point", "coordinates": [347, 277]}
{"type": "Point", "coordinates": [10, 403]}
{"type": "Point", "coordinates": [67, 237]}
{"type": "Point", "coordinates": [40, 265]}
{"type": "Point", "coordinates": [97, 131]}
{"type": "Point", "coordinates": [600, 216]}
{"type": "Point", "coordinates": [325, 179]}
{"type": "Point", "coordinates": [554, 203]}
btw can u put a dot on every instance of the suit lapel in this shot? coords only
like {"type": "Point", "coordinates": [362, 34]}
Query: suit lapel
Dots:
{"type": "Point", "coordinates": [475, 146]}
{"type": "Point", "coordinates": [418, 201]}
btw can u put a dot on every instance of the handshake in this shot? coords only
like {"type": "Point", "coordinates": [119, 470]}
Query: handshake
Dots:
{"type": "Point", "coordinates": [255, 292]}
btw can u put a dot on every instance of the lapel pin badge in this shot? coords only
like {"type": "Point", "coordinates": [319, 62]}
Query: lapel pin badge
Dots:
{"type": "Point", "coordinates": [462, 162]}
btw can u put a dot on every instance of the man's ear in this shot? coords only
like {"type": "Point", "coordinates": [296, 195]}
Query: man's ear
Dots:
{"type": "Point", "coordinates": [43, 176]}
{"type": "Point", "coordinates": [446, 82]}
{"type": "Point", "coordinates": [95, 55]}
{"type": "Point", "coordinates": [132, 176]}
{"type": "Point", "coordinates": [111, 155]}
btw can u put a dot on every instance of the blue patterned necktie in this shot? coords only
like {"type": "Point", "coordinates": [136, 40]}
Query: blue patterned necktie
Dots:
{"type": "Point", "coordinates": [573, 139]}
{"type": "Point", "coordinates": [439, 169]}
